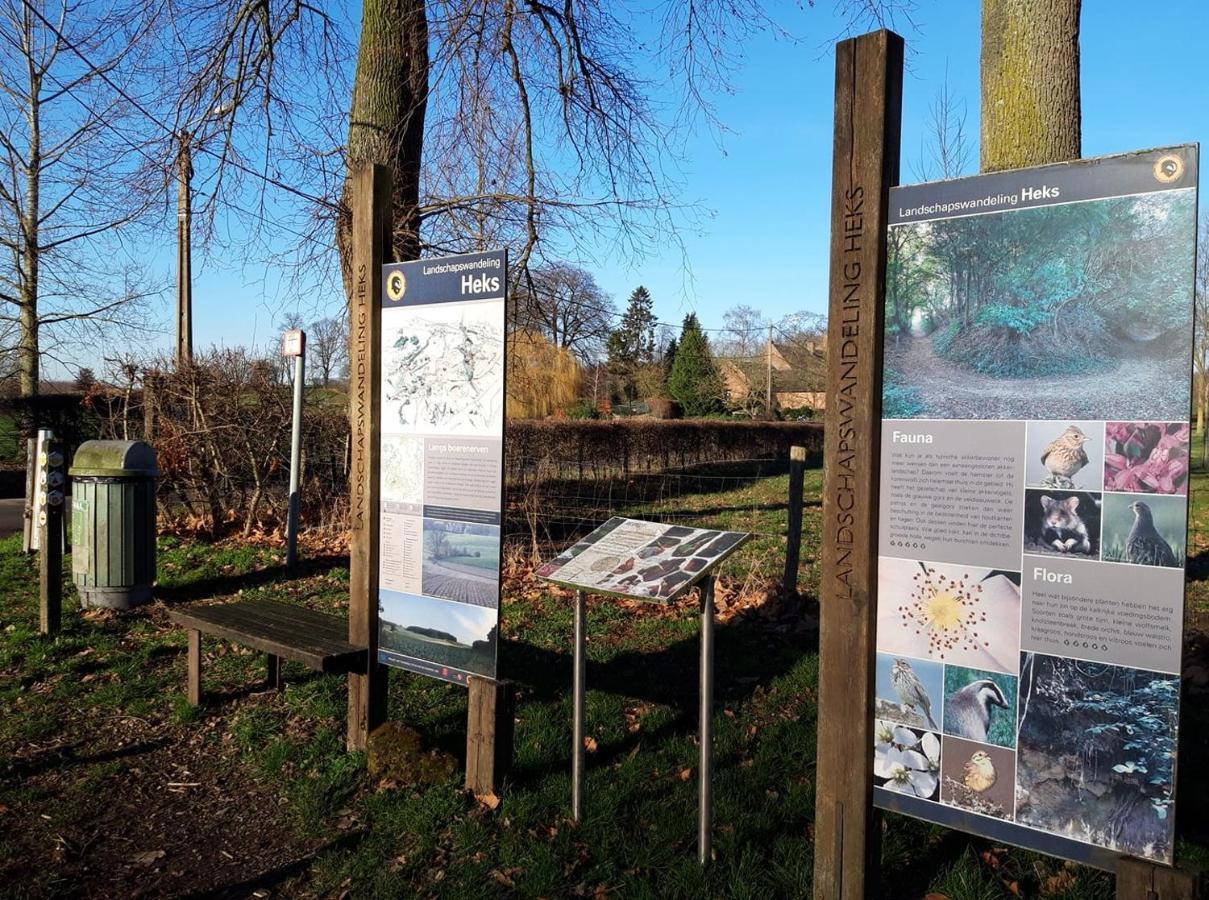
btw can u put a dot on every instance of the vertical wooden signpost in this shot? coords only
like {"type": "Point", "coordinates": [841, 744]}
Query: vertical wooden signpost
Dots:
{"type": "Point", "coordinates": [868, 91]}
{"type": "Point", "coordinates": [371, 240]}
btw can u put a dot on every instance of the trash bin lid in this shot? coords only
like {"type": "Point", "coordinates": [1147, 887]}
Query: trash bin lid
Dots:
{"type": "Point", "coordinates": [114, 459]}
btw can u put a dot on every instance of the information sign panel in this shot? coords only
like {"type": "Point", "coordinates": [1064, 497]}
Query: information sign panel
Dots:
{"type": "Point", "coordinates": [442, 444]}
{"type": "Point", "coordinates": [1033, 503]}
{"type": "Point", "coordinates": [641, 560]}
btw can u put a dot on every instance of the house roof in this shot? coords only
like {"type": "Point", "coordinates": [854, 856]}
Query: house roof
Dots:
{"type": "Point", "coordinates": [796, 366]}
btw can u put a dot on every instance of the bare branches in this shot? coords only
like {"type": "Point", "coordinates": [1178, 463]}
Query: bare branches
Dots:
{"type": "Point", "coordinates": [70, 191]}
{"type": "Point", "coordinates": [945, 149]}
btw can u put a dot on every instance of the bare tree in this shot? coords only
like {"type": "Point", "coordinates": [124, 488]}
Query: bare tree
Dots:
{"type": "Point", "coordinates": [563, 303]}
{"type": "Point", "coordinates": [1200, 355]}
{"type": "Point", "coordinates": [945, 150]}
{"type": "Point", "coordinates": [73, 180]}
{"type": "Point", "coordinates": [327, 347]}
{"type": "Point", "coordinates": [744, 331]}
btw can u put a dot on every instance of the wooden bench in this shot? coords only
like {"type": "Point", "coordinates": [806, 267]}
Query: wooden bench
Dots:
{"type": "Point", "coordinates": [281, 630]}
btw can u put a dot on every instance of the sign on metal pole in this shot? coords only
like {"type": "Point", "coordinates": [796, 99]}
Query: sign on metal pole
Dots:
{"type": "Point", "coordinates": [1034, 501]}
{"type": "Point", "coordinates": [293, 344]}
{"type": "Point", "coordinates": [441, 484]}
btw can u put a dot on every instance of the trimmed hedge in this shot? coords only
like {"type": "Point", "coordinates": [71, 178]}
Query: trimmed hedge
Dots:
{"type": "Point", "coordinates": [573, 448]}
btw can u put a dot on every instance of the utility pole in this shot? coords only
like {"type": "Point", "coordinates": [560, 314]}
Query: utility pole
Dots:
{"type": "Point", "coordinates": [184, 264]}
{"type": "Point", "coordinates": [768, 384]}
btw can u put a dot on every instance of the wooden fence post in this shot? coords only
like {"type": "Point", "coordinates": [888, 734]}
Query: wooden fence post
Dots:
{"type": "Point", "coordinates": [793, 552]}
{"type": "Point", "coordinates": [490, 718]}
{"type": "Point", "coordinates": [50, 549]}
{"type": "Point", "coordinates": [868, 93]}
{"type": "Point", "coordinates": [371, 241]}
{"type": "Point", "coordinates": [1138, 879]}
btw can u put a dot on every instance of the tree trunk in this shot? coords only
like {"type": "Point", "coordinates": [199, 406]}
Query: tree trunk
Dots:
{"type": "Point", "coordinates": [386, 121]}
{"type": "Point", "coordinates": [1030, 83]}
{"type": "Point", "coordinates": [28, 352]}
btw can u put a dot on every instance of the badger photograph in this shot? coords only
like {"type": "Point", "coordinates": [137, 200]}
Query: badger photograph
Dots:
{"type": "Point", "coordinates": [980, 705]}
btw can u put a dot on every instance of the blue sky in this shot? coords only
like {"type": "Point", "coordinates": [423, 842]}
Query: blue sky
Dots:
{"type": "Point", "coordinates": [766, 184]}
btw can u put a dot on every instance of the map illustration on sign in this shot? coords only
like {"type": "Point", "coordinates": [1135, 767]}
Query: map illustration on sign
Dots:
{"type": "Point", "coordinates": [444, 371]}
{"type": "Point", "coordinates": [1033, 503]}
{"type": "Point", "coordinates": [441, 452]}
{"type": "Point", "coordinates": [641, 560]}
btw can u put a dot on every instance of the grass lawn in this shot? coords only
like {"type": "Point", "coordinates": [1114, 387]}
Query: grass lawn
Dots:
{"type": "Point", "coordinates": [111, 785]}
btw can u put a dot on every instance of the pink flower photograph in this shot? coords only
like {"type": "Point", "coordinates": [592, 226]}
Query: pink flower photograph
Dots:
{"type": "Point", "coordinates": [1146, 457]}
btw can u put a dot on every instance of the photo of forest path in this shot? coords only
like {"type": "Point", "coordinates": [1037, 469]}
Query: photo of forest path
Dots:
{"type": "Point", "coordinates": [942, 389]}
{"type": "Point", "coordinates": [1070, 311]}
{"type": "Point", "coordinates": [1096, 753]}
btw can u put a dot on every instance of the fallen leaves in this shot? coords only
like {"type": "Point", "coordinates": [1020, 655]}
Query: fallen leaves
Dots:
{"type": "Point", "coordinates": [489, 801]}
{"type": "Point", "coordinates": [147, 857]}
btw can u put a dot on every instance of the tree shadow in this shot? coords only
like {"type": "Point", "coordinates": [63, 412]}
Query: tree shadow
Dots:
{"type": "Point", "coordinates": [261, 884]}
{"type": "Point", "coordinates": [747, 654]}
{"type": "Point", "coordinates": [69, 755]}
{"type": "Point", "coordinates": [221, 585]}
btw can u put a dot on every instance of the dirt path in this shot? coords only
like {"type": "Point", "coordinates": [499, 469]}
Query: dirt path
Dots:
{"type": "Point", "coordinates": [1140, 387]}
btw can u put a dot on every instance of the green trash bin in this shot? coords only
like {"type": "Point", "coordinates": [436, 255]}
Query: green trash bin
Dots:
{"type": "Point", "coordinates": [113, 523]}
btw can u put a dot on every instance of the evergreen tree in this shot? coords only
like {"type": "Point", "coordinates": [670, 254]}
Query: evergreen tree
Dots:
{"type": "Point", "coordinates": [632, 343]}
{"type": "Point", "coordinates": [669, 356]}
{"type": "Point", "coordinates": [694, 381]}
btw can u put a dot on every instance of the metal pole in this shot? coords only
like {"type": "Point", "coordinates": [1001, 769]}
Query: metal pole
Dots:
{"type": "Point", "coordinates": [184, 263]}
{"type": "Point", "coordinates": [291, 528]}
{"type": "Point", "coordinates": [577, 713]}
{"type": "Point", "coordinates": [705, 802]}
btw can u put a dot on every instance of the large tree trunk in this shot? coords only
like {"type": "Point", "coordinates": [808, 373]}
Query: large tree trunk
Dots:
{"type": "Point", "coordinates": [28, 351]}
{"type": "Point", "coordinates": [386, 122]}
{"type": "Point", "coordinates": [1030, 83]}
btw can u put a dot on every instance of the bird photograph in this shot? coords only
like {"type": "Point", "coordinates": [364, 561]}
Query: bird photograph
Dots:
{"type": "Point", "coordinates": [909, 691]}
{"type": "Point", "coordinates": [978, 774]}
{"type": "Point", "coordinates": [980, 705]}
{"type": "Point", "coordinates": [1150, 532]}
{"type": "Point", "coordinates": [1064, 457]}
{"type": "Point", "coordinates": [978, 777]}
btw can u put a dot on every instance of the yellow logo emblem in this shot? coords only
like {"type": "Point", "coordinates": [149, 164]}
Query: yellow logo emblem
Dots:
{"type": "Point", "coordinates": [396, 286]}
{"type": "Point", "coordinates": [1168, 168]}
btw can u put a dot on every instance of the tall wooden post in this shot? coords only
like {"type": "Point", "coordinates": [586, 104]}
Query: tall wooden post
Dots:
{"type": "Point", "coordinates": [868, 93]}
{"type": "Point", "coordinates": [371, 241]}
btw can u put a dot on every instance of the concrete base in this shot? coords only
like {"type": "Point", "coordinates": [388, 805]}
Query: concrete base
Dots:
{"type": "Point", "coordinates": [114, 598]}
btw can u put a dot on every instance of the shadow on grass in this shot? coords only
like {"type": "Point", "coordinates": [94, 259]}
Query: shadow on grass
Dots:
{"type": "Point", "coordinates": [221, 585]}
{"type": "Point", "coordinates": [69, 755]}
{"type": "Point", "coordinates": [262, 885]}
{"type": "Point", "coordinates": [747, 654]}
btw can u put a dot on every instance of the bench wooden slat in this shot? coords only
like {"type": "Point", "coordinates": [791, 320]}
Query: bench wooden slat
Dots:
{"type": "Point", "coordinates": [318, 640]}
{"type": "Point", "coordinates": [308, 629]}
